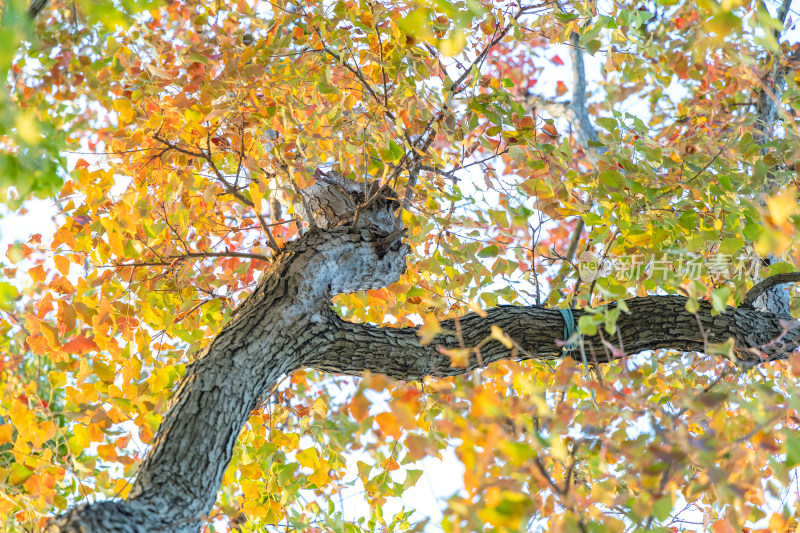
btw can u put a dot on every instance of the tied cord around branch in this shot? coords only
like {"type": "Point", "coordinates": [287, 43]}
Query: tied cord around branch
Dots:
{"type": "Point", "coordinates": [570, 345]}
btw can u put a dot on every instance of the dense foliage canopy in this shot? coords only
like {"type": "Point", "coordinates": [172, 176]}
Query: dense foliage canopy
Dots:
{"type": "Point", "coordinates": [180, 140]}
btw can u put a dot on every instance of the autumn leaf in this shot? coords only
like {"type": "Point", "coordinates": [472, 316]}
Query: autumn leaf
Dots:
{"type": "Point", "coordinates": [388, 425]}
{"type": "Point", "coordinates": [80, 345]}
{"type": "Point", "coordinates": [359, 407]}
{"type": "Point", "coordinates": [37, 273]}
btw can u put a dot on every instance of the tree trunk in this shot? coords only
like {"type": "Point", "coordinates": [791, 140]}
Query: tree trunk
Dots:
{"type": "Point", "coordinates": [272, 335]}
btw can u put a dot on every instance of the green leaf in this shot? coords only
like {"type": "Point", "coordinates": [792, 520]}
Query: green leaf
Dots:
{"type": "Point", "coordinates": [607, 123]}
{"type": "Point", "coordinates": [18, 474]}
{"type": "Point", "coordinates": [490, 251]}
{"type": "Point", "coordinates": [719, 298]}
{"type": "Point", "coordinates": [792, 449]}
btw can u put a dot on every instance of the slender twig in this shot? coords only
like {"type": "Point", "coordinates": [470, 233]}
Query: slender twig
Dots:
{"type": "Point", "coordinates": [193, 255]}
{"type": "Point", "coordinates": [358, 74]}
{"type": "Point", "coordinates": [231, 189]}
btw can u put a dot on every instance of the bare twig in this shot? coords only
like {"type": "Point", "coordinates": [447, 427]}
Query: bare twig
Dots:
{"type": "Point", "coordinates": [230, 188]}
{"type": "Point", "coordinates": [193, 255]}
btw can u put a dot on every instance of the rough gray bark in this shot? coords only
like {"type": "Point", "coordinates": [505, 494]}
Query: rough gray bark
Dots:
{"type": "Point", "coordinates": [654, 322]}
{"type": "Point", "coordinates": [287, 324]}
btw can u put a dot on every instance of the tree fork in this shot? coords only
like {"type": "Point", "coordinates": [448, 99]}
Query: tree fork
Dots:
{"type": "Point", "coordinates": [287, 324]}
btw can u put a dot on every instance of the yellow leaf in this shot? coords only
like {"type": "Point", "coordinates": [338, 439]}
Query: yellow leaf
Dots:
{"type": "Point", "coordinates": [320, 477]}
{"type": "Point", "coordinates": [57, 379]}
{"type": "Point", "coordinates": [459, 357]}
{"type": "Point", "coordinates": [80, 439]}
{"type": "Point", "coordinates": [115, 241]}
{"type": "Point", "coordinates": [256, 195]}
{"type": "Point", "coordinates": [429, 329]}
{"type": "Point", "coordinates": [18, 473]}
{"type": "Point", "coordinates": [498, 335]}
{"type": "Point", "coordinates": [27, 128]}
{"type": "Point", "coordinates": [250, 489]}
{"type": "Point", "coordinates": [475, 308]}
{"type": "Point", "coordinates": [453, 44]}
{"type": "Point", "coordinates": [782, 206]}
{"type": "Point", "coordinates": [308, 458]}
{"type": "Point", "coordinates": [320, 407]}
{"type": "Point", "coordinates": [125, 110]}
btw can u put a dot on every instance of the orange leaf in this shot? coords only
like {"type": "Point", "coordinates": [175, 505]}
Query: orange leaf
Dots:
{"type": "Point", "coordinates": [45, 305]}
{"type": "Point", "coordinates": [722, 526]}
{"type": "Point", "coordinates": [62, 264]}
{"type": "Point", "coordinates": [560, 88]}
{"type": "Point", "coordinates": [6, 432]}
{"type": "Point", "coordinates": [417, 446]}
{"type": "Point", "coordinates": [62, 285]}
{"type": "Point", "coordinates": [359, 407]}
{"type": "Point", "coordinates": [66, 315]}
{"type": "Point", "coordinates": [390, 464]}
{"type": "Point", "coordinates": [388, 424]}
{"type": "Point", "coordinates": [80, 345]}
{"type": "Point", "coordinates": [37, 273]}
{"type": "Point", "coordinates": [550, 129]}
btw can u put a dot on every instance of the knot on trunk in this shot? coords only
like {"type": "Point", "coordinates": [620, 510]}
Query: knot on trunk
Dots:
{"type": "Point", "coordinates": [340, 260]}
{"type": "Point", "coordinates": [334, 200]}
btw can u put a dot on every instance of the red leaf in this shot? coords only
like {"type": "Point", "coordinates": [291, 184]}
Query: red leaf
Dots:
{"type": "Point", "coordinates": [557, 60]}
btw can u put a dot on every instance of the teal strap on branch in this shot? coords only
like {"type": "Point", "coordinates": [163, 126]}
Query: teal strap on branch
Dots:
{"type": "Point", "coordinates": [569, 330]}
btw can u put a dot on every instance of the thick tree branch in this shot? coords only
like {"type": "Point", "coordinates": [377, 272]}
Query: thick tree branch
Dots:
{"type": "Point", "coordinates": [654, 323]}
{"type": "Point", "coordinates": [767, 285]}
{"type": "Point", "coordinates": [193, 255]}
